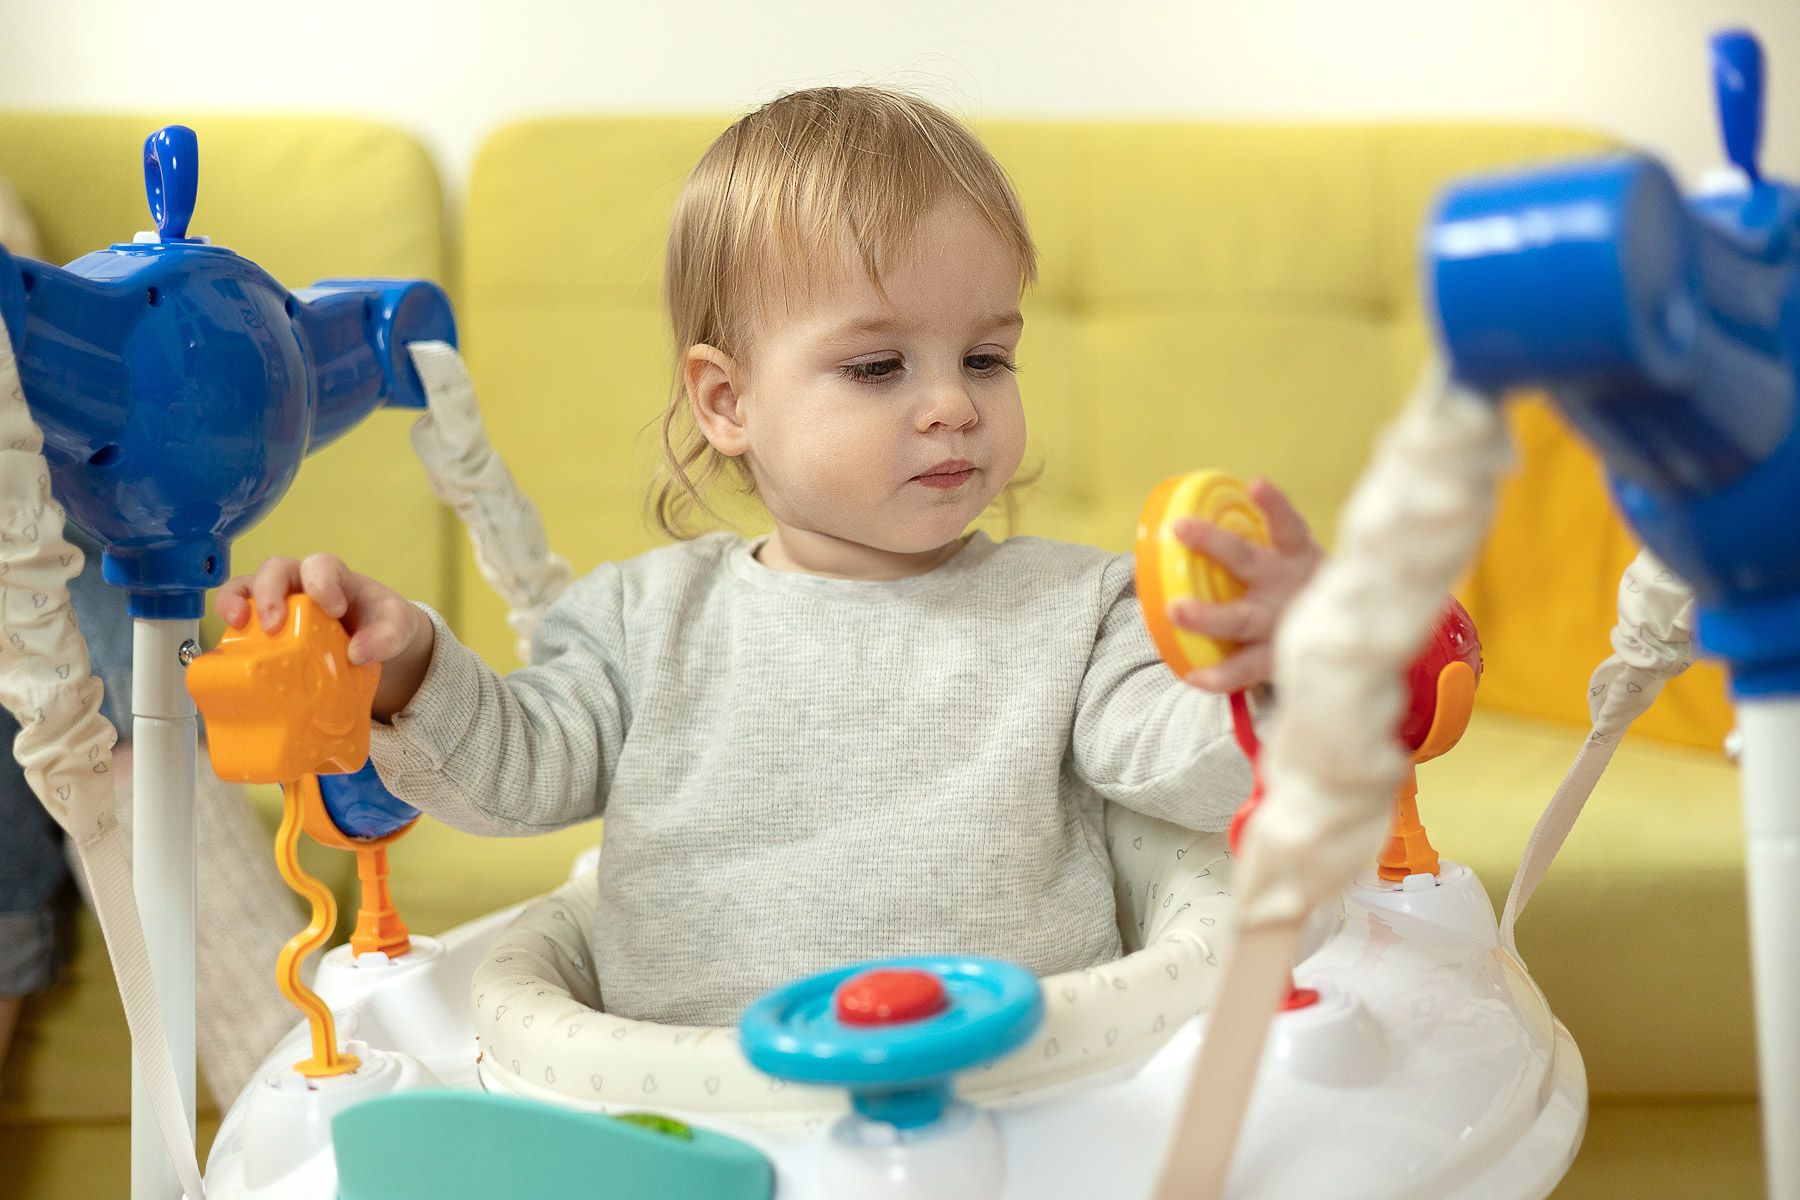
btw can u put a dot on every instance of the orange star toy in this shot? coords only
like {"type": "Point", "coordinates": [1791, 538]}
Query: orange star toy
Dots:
{"type": "Point", "coordinates": [282, 707]}
{"type": "Point", "coordinates": [285, 704]}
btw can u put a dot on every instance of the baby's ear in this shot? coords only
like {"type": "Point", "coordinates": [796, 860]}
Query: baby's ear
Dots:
{"type": "Point", "coordinates": [713, 381]}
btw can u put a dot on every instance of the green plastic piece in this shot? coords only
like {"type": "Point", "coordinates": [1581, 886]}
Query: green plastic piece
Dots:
{"type": "Point", "coordinates": [452, 1145]}
{"type": "Point", "coordinates": [657, 1123]}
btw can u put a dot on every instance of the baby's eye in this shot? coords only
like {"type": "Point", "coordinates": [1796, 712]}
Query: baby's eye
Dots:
{"type": "Point", "coordinates": [869, 372]}
{"type": "Point", "coordinates": [989, 364]}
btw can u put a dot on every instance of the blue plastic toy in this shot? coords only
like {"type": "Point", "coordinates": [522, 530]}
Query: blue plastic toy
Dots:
{"type": "Point", "coordinates": [1667, 332]}
{"type": "Point", "coordinates": [360, 805]}
{"type": "Point", "coordinates": [179, 386]}
{"type": "Point", "coordinates": [894, 1032]}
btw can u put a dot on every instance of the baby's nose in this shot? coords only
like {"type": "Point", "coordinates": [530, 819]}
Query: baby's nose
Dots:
{"type": "Point", "coordinates": [950, 408]}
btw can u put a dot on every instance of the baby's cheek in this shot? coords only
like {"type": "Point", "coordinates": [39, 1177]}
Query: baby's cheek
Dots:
{"type": "Point", "coordinates": [834, 478]}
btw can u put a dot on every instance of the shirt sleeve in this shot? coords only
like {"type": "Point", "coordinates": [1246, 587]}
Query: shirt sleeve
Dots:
{"type": "Point", "coordinates": [525, 753]}
{"type": "Point", "coordinates": [1142, 737]}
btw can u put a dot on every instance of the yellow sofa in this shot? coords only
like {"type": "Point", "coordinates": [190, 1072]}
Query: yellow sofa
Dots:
{"type": "Point", "coordinates": [1238, 296]}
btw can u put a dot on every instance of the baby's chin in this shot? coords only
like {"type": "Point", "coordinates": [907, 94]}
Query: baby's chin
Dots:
{"type": "Point", "coordinates": [922, 541]}
{"type": "Point", "coordinates": [904, 524]}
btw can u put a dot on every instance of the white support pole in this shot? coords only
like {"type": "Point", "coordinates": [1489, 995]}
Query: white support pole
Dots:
{"type": "Point", "coordinates": [1771, 765]}
{"type": "Point", "coordinates": [162, 840]}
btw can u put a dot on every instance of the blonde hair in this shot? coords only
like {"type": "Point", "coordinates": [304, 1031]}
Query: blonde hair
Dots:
{"type": "Point", "coordinates": [854, 167]}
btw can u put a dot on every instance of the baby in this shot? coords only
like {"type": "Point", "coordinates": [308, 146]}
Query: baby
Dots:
{"type": "Point", "coordinates": [868, 732]}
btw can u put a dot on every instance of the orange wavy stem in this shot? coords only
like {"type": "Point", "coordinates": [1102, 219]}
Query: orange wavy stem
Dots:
{"type": "Point", "coordinates": [326, 1058]}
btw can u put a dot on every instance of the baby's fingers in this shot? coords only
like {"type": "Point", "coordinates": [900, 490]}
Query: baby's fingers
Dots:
{"type": "Point", "coordinates": [1248, 667]}
{"type": "Point", "coordinates": [233, 601]}
{"type": "Point", "coordinates": [324, 577]}
{"type": "Point", "coordinates": [275, 581]}
{"type": "Point", "coordinates": [1227, 549]}
{"type": "Point", "coordinates": [1236, 621]}
{"type": "Point", "coordinates": [1288, 531]}
{"type": "Point", "coordinates": [384, 629]}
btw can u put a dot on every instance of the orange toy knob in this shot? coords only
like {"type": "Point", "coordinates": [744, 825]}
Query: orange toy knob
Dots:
{"type": "Point", "coordinates": [280, 708]}
{"type": "Point", "coordinates": [284, 704]}
{"type": "Point", "coordinates": [1168, 571]}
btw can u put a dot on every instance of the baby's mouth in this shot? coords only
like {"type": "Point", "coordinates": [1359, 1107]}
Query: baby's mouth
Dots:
{"type": "Point", "coordinates": [952, 473]}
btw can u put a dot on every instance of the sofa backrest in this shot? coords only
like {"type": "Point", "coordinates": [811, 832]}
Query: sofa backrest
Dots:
{"type": "Point", "coordinates": [1227, 295]}
{"type": "Point", "coordinates": [306, 198]}
{"type": "Point", "coordinates": [1239, 296]}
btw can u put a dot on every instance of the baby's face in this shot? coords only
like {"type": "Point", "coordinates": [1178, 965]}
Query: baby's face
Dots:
{"type": "Point", "coordinates": [891, 422]}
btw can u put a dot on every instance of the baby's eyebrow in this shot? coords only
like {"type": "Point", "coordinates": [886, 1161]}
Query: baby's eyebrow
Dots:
{"type": "Point", "coordinates": [861, 325]}
{"type": "Point", "coordinates": [865, 326]}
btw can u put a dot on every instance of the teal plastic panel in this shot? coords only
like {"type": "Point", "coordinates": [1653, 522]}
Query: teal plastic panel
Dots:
{"type": "Point", "coordinates": [450, 1145]}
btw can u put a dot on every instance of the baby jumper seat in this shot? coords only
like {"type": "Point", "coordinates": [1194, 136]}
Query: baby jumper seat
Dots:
{"type": "Point", "coordinates": [544, 1036]}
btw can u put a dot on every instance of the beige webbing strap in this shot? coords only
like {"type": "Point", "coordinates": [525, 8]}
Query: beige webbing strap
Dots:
{"type": "Point", "coordinates": [1652, 643]}
{"type": "Point", "coordinates": [109, 880]}
{"type": "Point", "coordinates": [467, 474]}
{"type": "Point", "coordinates": [1572, 794]}
{"type": "Point", "coordinates": [1331, 762]}
{"type": "Point", "coordinates": [1218, 1091]}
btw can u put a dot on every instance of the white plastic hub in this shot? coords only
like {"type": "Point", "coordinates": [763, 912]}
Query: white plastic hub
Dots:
{"type": "Point", "coordinates": [287, 1120]}
{"type": "Point", "coordinates": [957, 1157]}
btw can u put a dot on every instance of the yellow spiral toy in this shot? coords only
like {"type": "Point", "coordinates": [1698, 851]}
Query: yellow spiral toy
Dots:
{"type": "Point", "coordinates": [1168, 570]}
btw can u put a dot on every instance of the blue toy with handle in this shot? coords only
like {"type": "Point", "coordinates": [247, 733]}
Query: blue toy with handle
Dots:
{"type": "Point", "coordinates": [179, 386]}
{"type": "Point", "coordinates": [1668, 331]}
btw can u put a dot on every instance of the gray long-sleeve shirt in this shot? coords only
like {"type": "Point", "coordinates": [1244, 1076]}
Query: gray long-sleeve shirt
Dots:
{"type": "Point", "coordinates": [798, 772]}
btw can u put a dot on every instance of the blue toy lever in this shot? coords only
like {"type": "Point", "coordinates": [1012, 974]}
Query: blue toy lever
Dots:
{"type": "Point", "coordinates": [1737, 63]}
{"type": "Point", "coordinates": [172, 179]}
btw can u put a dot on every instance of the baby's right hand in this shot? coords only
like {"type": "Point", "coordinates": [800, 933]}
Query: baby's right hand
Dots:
{"type": "Point", "coordinates": [384, 626]}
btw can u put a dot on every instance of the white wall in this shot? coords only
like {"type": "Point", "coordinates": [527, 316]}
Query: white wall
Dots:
{"type": "Point", "coordinates": [452, 70]}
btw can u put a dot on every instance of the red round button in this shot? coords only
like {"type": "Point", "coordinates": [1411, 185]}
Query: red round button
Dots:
{"type": "Point", "coordinates": [890, 997]}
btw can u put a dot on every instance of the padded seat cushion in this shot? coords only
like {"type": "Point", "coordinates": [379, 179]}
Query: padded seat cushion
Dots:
{"type": "Point", "coordinates": [542, 1034]}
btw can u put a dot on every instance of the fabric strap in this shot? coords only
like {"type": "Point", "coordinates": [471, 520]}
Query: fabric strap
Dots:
{"type": "Point", "coordinates": [109, 879]}
{"type": "Point", "coordinates": [1652, 643]}
{"type": "Point", "coordinates": [465, 473]}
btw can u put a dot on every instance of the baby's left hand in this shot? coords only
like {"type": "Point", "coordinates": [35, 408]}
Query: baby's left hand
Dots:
{"type": "Point", "coordinates": [1273, 575]}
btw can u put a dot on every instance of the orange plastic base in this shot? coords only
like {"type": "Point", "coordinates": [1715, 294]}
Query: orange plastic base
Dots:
{"type": "Point", "coordinates": [378, 923]}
